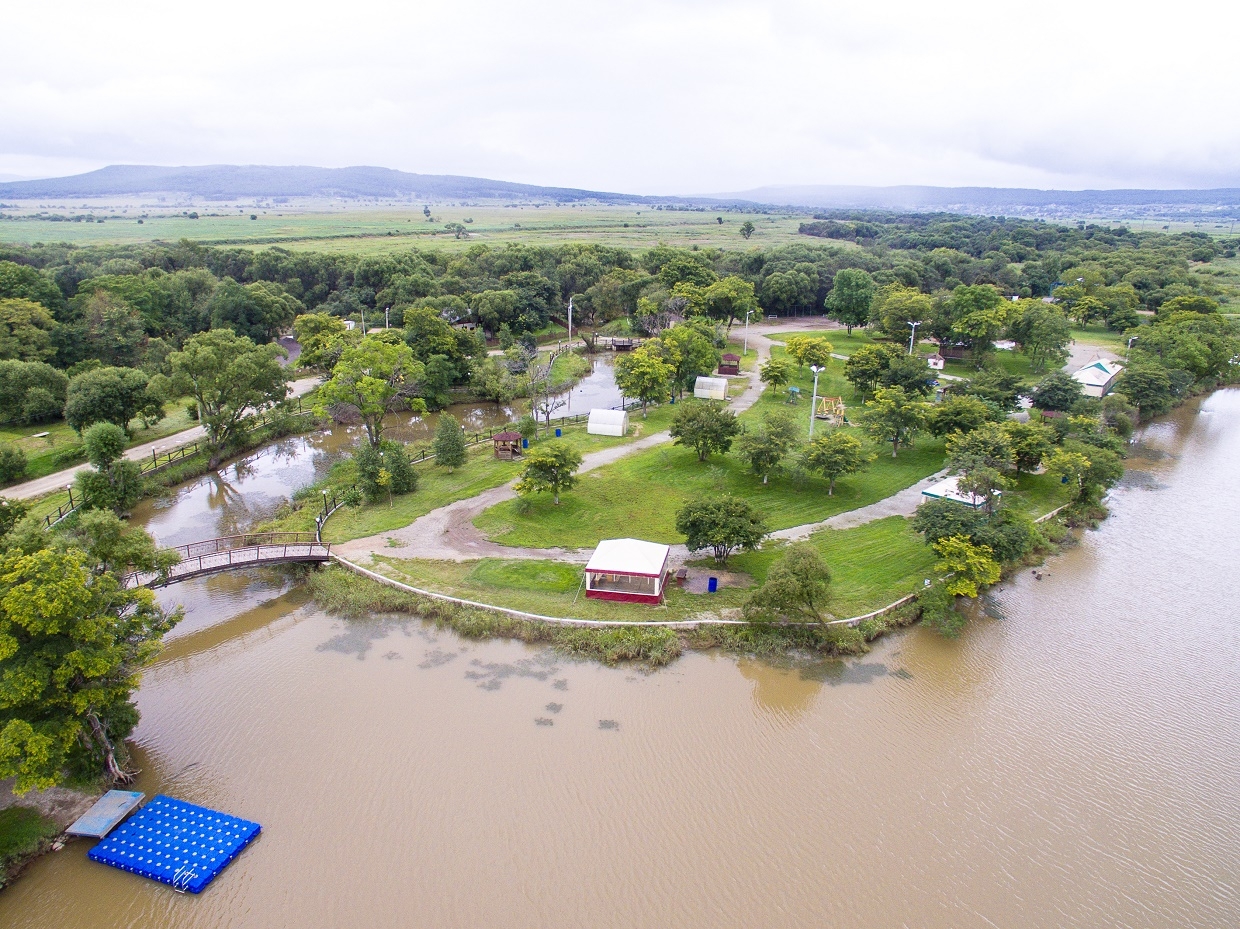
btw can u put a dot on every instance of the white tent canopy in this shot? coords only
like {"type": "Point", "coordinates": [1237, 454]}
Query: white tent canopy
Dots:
{"type": "Point", "coordinates": [608, 422]}
{"type": "Point", "coordinates": [629, 556]}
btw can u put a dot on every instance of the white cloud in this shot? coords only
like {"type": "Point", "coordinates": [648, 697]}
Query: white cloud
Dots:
{"type": "Point", "coordinates": [645, 97]}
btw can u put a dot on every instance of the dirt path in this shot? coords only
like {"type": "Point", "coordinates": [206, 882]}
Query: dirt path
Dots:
{"type": "Point", "coordinates": [58, 481]}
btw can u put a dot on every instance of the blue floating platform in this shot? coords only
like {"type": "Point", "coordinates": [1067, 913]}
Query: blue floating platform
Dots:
{"type": "Point", "coordinates": [176, 843]}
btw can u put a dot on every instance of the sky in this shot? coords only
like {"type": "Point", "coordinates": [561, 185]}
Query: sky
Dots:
{"type": "Point", "coordinates": [670, 97]}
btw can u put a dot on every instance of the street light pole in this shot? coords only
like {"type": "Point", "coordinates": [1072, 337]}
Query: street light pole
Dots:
{"type": "Point", "coordinates": [745, 350]}
{"type": "Point", "coordinates": [1128, 351]}
{"type": "Point", "coordinates": [570, 321]}
{"type": "Point", "coordinates": [813, 403]}
{"type": "Point", "coordinates": [387, 317]}
{"type": "Point", "coordinates": [912, 335]}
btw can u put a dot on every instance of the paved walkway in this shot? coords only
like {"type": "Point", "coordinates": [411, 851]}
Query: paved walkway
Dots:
{"type": "Point", "coordinates": [58, 481]}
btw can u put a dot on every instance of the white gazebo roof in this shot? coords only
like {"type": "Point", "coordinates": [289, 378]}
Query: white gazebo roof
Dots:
{"type": "Point", "coordinates": [946, 489]}
{"type": "Point", "coordinates": [629, 556]}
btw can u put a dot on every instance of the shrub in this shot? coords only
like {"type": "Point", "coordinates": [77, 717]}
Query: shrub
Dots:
{"type": "Point", "coordinates": [12, 463]}
{"type": "Point", "coordinates": [389, 459]}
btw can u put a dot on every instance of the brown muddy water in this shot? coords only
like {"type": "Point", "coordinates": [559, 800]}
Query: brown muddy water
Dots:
{"type": "Point", "coordinates": [1072, 760]}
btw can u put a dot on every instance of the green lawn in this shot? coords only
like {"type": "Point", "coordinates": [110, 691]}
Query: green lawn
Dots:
{"type": "Point", "coordinates": [62, 447]}
{"type": "Point", "coordinates": [871, 566]}
{"type": "Point", "coordinates": [1038, 494]}
{"type": "Point", "coordinates": [840, 340]}
{"type": "Point", "coordinates": [640, 494]}
{"type": "Point", "coordinates": [22, 831]}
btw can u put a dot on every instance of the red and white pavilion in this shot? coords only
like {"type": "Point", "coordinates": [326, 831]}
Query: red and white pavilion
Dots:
{"type": "Point", "coordinates": [628, 570]}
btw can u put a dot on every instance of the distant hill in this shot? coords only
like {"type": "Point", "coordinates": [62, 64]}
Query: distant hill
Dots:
{"type": "Point", "coordinates": [996, 200]}
{"type": "Point", "coordinates": [223, 182]}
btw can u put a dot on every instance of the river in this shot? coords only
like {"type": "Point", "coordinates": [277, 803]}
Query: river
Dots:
{"type": "Point", "coordinates": [1072, 760]}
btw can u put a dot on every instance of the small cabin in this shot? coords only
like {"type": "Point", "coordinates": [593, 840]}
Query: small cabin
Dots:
{"type": "Point", "coordinates": [936, 361]}
{"type": "Point", "coordinates": [730, 364]}
{"type": "Point", "coordinates": [628, 570]}
{"type": "Point", "coordinates": [608, 422]}
{"type": "Point", "coordinates": [1097, 378]}
{"type": "Point", "coordinates": [710, 388]}
{"type": "Point", "coordinates": [507, 445]}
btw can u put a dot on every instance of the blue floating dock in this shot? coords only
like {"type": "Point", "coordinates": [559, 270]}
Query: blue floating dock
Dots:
{"type": "Point", "coordinates": [176, 843]}
{"type": "Point", "coordinates": [108, 810]}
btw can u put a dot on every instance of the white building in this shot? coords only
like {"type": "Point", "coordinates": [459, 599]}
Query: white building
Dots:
{"type": "Point", "coordinates": [608, 422]}
{"type": "Point", "coordinates": [628, 570]}
{"type": "Point", "coordinates": [711, 388]}
{"type": "Point", "coordinates": [946, 489]}
{"type": "Point", "coordinates": [1097, 377]}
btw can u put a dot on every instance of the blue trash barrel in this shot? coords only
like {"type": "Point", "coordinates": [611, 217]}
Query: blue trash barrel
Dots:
{"type": "Point", "coordinates": [525, 443]}
{"type": "Point", "coordinates": [558, 432]}
{"type": "Point", "coordinates": [712, 585]}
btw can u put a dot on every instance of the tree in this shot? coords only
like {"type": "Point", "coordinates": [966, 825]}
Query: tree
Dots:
{"type": "Point", "coordinates": [227, 375]}
{"type": "Point", "coordinates": [73, 643]}
{"type": "Point", "coordinates": [851, 295]}
{"type": "Point", "coordinates": [1043, 333]}
{"type": "Point", "coordinates": [808, 350]}
{"type": "Point", "coordinates": [910, 372]}
{"type": "Point", "coordinates": [729, 299]}
{"type": "Point", "coordinates": [796, 587]}
{"type": "Point", "coordinates": [371, 380]}
{"type": "Point", "coordinates": [979, 314]}
{"type": "Point", "coordinates": [31, 391]}
{"type": "Point", "coordinates": [322, 338]}
{"type": "Point", "coordinates": [893, 416]}
{"type": "Point", "coordinates": [1057, 391]}
{"type": "Point", "coordinates": [26, 330]}
{"type": "Point", "coordinates": [116, 482]}
{"type": "Point", "coordinates": [941, 519]}
{"type": "Point", "coordinates": [996, 387]}
{"type": "Point", "coordinates": [767, 445]}
{"type": "Point", "coordinates": [449, 442]}
{"type": "Point", "coordinates": [970, 566]}
{"type": "Point", "coordinates": [257, 311]}
{"type": "Point", "coordinates": [644, 375]}
{"type": "Point", "coordinates": [1070, 466]}
{"type": "Point", "coordinates": [704, 427]}
{"type": "Point", "coordinates": [113, 329]}
{"type": "Point", "coordinates": [776, 373]}
{"type": "Point", "coordinates": [958, 414]}
{"type": "Point", "coordinates": [723, 525]}
{"type": "Point", "coordinates": [550, 467]}
{"type": "Point", "coordinates": [384, 469]}
{"type": "Point", "coordinates": [895, 306]}
{"type": "Point", "coordinates": [12, 463]}
{"type": "Point", "coordinates": [987, 446]}
{"type": "Point", "coordinates": [106, 395]}
{"type": "Point", "coordinates": [747, 229]}
{"type": "Point", "coordinates": [865, 367]}
{"type": "Point", "coordinates": [834, 455]}
{"type": "Point", "coordinates": [691, 354]}
{"type": "Point", "coordinates": [1030, 442]}
{"type": "Point", "coordinates": [1148, 386]}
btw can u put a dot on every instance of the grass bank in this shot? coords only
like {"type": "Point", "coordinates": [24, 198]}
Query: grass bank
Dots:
{"type": "Point", "coordinates": [24, 834]}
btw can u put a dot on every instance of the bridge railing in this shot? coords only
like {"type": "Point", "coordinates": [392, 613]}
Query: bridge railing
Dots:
{"type": "Point", "coordinates": [238, 551]}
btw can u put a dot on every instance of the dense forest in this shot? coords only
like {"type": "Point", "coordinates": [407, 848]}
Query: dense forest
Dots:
{"type": "Point", "coordinates": [66, 310]}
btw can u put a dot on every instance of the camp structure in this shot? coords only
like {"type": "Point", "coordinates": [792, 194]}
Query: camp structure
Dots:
{"type": "Point", "coordinates": [730, 364]}
{"type": "Point", "coordinates": [1097, 377]}
{"type": "Point", "coordinates": [946, 489]}
{"type": "Point", "coordinates": [507, 445]}
{"type": "Point", "coordinates": [628, 570]}
{"type": "Point", "coordinates": [935, 361]}
{"type": "Point", "coordinates": [608, 422]}
{"type": "Point", "coordinates": [710, 388]}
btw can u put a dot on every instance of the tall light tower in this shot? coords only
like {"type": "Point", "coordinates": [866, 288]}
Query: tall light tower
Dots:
{"type": "Point", "coordinates": [912, 335]}
{"type": "Point", "coordinates": [745, 350]}
{"type": "Point", "coordinates": [813, 403]}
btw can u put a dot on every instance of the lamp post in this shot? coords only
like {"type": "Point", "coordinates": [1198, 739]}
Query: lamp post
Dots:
{"type": "Point", "coordinates": [324, 502]}
{"type": "Point", "coordinates": [69, 488]}
{"type": "Point", "coordinates": [817, 369]}
{"type": "Point", "coordinates": [387, 317]}
{"type": "Point", "coordinates": [745, 350]}
{"type": "Point", "coordinates": [570, 321]}
{"type": "Point", "coordinates": [1128, 351]}
{"type": "Point", "coordinates": [912, 335]}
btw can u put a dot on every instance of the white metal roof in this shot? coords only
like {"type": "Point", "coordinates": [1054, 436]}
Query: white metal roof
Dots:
{"type": "Point", "coordinates": [1098, 373]}
{"type": "Point", "coordinates": [946, 489]}
{"type": "Point", "coordinates": [629, 556]}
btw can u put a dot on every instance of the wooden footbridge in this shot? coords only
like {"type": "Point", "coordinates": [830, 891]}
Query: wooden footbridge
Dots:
{"type": "Point", "coordinates": [234, 552]}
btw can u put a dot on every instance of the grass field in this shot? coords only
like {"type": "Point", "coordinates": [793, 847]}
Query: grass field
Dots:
{"type": "Point", "coordinates": [384, 228]}
{"type": "Point", "coordinates": [871, 566]}
{"type": "Point", "coordinates": [61, 447]}
{"type": "Point", "coordinates": [22, 832]}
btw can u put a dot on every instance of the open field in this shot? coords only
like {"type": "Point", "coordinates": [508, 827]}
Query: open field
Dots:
{"type": "Point", "coordinates": [376, 230]}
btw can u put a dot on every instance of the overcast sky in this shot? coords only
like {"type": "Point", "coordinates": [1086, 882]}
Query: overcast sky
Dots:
{"type": "Point", "coordinates": [670, 97]}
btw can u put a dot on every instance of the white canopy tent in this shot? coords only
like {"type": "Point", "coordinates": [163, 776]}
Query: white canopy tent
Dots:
{"type": "Point", "coordinates": [608, 422]}
{"type": "Point", "coordinates": [627, 569]}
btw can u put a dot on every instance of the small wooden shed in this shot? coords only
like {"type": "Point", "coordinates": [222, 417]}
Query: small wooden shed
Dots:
{"type": "Point", "coordinates": [507, 445]}
{"type": "Point", "coordinates": [935, 361]}
{"type": "Point", "coordinates": [730, 364]}
{"type": "Point", "coordinates": [710, 388]}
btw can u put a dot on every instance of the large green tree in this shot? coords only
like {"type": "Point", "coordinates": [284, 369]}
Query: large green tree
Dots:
{"type": "Point", "coordinates": [26, 330]}
{"type": "Point", "coordinates": [797, 587]}
{"type": "Point", "coordinates": [722, 524]}
{"type": "Point", "coordinates": [894, 416]}
{"type": "Point", "coordinates": [376, 377]}
{"type": "Point", "coordinates": [767, 444]}
{"type": "Point", "coordinates": [228, 376]}
{"type": "Point", "coordinates": [834, 455]}
{"type": "Point", "coordinates": [1043, 333]}
{"type": "Point", "coordinates": [551, 467]}
{"type": "Point", "coordinates": [705, 427]}
{"type": "Point", "coordinates": [643, 375]}
{"type": "Point", "coordinates": [106, 395]}
{"type": "Point", "coordinates": [851, 295]}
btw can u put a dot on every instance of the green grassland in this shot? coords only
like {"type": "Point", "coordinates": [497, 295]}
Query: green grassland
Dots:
{"type": "Point", "coordinates": [23, 831]}
{"type": "Point", "coordinates": [871, 566]}
{"type": "Point", "coordinates": [377, 229]}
